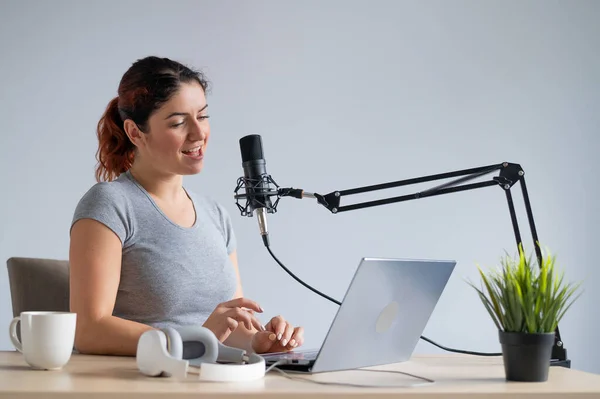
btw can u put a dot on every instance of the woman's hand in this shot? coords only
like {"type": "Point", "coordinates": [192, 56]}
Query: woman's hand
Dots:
{"type": "Point", "coordinates": [227, 315]}
{"type": "Point", "coordinates": [278, 336]}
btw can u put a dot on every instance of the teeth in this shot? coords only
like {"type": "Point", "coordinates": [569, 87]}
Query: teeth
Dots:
{"type": "Point", "coordinates": [193, 149]}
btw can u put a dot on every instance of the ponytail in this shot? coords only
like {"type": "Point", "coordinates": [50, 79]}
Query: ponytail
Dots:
{"type": "Point", "coordinates": [115, 150]}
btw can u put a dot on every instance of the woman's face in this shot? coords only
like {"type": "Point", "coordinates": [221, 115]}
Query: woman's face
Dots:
{"type": "Point", "coordinates": [178, 132]}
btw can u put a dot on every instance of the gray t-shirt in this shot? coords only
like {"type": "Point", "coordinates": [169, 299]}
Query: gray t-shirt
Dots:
{"type": "Point", "coordinates": [170, 275]}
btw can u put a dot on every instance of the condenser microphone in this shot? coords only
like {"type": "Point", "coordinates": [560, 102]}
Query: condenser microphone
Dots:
{"type": "Point", "coordinates": [257, 182]}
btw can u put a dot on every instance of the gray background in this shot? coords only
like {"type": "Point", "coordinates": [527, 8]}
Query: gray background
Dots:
{"type": "Point", "coordinates": [345, 94]}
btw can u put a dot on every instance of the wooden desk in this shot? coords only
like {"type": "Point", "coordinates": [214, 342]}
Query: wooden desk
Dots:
{"type": "Point", "coordinates": [456, 376]}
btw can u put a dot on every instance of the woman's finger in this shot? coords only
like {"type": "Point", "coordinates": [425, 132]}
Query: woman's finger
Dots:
{"type": "Point", "coordinates": [257, 324]}
{"type": "Point", "coordinates": [245, 317]}
{"type": "Point", "coordinates": [297, 337]}
{"type": "Point", "coordinates": [242, 303]}
{"type": "Point", "coordinates": [278, 325]}
{"type": "Point", "coordinates": [287, 334]}
{"type": "Point", "coordinates": [239, 315]}
{"type": "Point", "coordinates": [232, 323]}
{"type": "Point", "coordinates": [222, 330]}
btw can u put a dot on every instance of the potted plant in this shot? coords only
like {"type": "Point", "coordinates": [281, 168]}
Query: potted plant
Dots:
{"type": "Point", "coordinates": [526, 302]}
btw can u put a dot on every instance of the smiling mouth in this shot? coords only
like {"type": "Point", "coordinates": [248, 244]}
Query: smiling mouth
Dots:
{"type": "Point", "coordinates": [195, 152]}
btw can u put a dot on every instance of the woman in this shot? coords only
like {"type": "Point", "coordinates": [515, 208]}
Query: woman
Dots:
{"type": "Point", "coordinates": [145, 252]}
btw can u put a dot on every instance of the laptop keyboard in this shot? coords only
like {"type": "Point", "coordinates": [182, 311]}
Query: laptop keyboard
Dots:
{"type": "Point", "coordinates": [293, 355]}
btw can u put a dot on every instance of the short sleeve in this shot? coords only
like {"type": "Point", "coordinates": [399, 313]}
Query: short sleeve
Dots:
{"type": "Point", "coordinates": [227, 225]}
{"type": "Point", "coordinates": [107, 205]}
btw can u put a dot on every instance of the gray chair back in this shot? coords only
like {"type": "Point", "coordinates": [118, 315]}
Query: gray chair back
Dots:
{"type": "Point", "coordinates": [38, 284]}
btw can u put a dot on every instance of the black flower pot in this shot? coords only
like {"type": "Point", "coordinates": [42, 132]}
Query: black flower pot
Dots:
{"type": "Point", "coordinates": [526, 356]}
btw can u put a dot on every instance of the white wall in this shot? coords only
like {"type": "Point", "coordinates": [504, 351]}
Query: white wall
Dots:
{"type": "Point", "coordinates": [345, 94]}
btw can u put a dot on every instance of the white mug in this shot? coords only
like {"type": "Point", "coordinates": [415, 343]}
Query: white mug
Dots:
{"type": "Point", "coordinates": [47, 338]}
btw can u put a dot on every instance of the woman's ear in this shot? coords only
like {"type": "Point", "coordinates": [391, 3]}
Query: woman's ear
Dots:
{"type": "Point", "coordinates": [133, 132]}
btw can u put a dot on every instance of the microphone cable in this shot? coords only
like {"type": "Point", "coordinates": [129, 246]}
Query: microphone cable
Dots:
{"type": "Point", "coordinates": [339, 303]}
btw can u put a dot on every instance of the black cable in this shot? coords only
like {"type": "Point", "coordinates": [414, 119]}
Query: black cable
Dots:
{"type": "Point", "coordinates": [339, 303]}
{"type": "Point", "coordinates": [459, 350]}
{"type": "Point", "coordinates": [300, 281]}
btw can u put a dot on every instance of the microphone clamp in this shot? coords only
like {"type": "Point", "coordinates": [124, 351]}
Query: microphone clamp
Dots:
{"type": "Point", "coordinates": [259, 191]}
{"type": "Point", "coordinates": [257, 186]}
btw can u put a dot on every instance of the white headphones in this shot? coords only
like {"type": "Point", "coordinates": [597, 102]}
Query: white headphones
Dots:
{"type": "Point", "coordinates": [161, 353]}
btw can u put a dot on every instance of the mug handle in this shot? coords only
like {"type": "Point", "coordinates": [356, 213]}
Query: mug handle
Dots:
{"type": "Point", "coordinates": [13, 334]}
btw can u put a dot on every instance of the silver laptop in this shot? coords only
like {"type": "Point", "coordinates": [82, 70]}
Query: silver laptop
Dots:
{"type": "Point", "coordinates": [383, 314]}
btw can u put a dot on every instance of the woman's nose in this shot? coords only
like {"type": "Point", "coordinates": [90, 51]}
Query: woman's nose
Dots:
{"type": "Point", "coordinates": [198, 132]}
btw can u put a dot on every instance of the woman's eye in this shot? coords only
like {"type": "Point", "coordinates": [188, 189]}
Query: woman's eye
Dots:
{"type": "Point", "coordinates": [201, 117]}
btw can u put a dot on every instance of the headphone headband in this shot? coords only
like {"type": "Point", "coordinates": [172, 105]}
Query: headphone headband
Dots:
{"type": "Point", "coordinates": [160, 353]}
{"type": "Point", "coordinates": [253, 370]}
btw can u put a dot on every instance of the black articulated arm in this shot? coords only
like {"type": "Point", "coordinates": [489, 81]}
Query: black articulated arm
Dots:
{"type": "Point", "coordinates": [509, 175]}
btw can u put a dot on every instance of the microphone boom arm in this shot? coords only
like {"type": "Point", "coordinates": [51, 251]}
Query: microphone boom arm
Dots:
{"type": "Point", "coordinates": [509, 175]}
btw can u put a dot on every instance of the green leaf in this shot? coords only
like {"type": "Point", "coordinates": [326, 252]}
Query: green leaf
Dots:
{"type": "Point", "coordinates": [525, 296]}
{"type": "Point", "coordinates": [493, 296]}
{"type": "Point", "coordinates": [487, 305]}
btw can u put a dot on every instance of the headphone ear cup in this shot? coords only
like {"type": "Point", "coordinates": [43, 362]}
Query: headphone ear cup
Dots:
{"type": "Point", "coordinates": [153, 358]}
{"type": "Point", "coordinates": [201, 344]}
{"type": "Point", "coordinates": [174, 342]}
